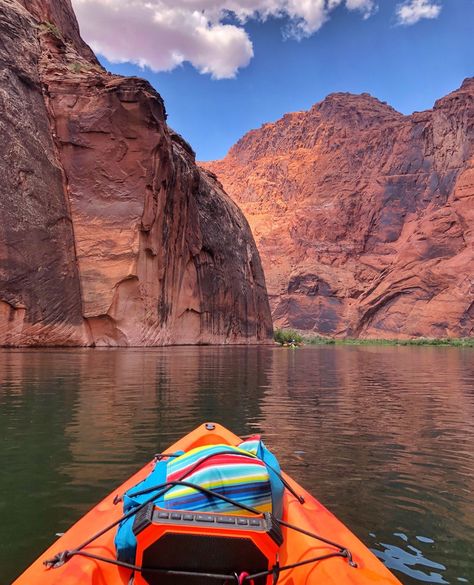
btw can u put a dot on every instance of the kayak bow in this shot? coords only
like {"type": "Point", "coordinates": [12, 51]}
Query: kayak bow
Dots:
{"type": "Point", "coordinates": [310, 545]}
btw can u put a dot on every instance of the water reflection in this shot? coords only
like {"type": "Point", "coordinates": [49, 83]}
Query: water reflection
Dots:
{"type": "Point", "coordinates": [410, 561]}
{"type": "Point", "coordinates": [384, 436]}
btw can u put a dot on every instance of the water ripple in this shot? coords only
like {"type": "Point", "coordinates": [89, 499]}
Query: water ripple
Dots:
{"type": "Point", "coordinates": [384, 436]}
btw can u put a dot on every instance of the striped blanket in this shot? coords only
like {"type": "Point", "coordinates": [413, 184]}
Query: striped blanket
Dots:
{"type": "Point", "coordinates": [247, 474]}
{"type": "Point", "coordinates": [234, 472]}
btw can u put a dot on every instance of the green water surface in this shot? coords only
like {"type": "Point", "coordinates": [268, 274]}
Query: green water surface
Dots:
{"type": "Point", "coordinates": [383, 436]}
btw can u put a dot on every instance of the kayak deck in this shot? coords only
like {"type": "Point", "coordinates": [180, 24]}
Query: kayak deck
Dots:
{"type": "Point", "coordinates": [310, 516]}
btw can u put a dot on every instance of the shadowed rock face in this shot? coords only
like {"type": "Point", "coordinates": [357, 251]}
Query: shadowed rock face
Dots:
{"type": "Point", "coordinates": [109, 232]}
{"type": "Point", "coordinates": [39, 284]}
{"type": "Point", "coordinates": [364, 218]}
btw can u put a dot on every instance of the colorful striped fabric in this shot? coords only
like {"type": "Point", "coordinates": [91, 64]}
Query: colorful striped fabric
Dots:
{"type": "Point", "coordinates": [234, 472]}
{"type": "Point", "coordinates": [248, 473]}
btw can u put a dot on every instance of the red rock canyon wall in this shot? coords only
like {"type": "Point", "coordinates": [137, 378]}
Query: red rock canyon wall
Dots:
{"type": "Point", "coordinates": [109, 232]}
{"type": "Point", "coordinates": [364, 218]}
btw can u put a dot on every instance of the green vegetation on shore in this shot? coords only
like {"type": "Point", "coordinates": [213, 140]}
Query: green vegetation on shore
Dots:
{"type": "Point", "coordinates": [287, 336]}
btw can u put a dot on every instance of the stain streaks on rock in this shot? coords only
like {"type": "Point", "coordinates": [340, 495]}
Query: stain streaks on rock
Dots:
{"type": "Point", "coordinates": [110, 234]}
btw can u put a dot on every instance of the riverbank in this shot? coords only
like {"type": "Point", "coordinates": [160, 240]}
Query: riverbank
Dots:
{"type": "Point", "coordinates": [292, 337]}
{"type": "Point", "coordinates": [462, 342]}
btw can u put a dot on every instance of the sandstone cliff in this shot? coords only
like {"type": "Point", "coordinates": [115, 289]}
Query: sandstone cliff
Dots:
{"type": "Point", "coordinates": [364, 218]}
{"type": "Point", "coordinates": [109, 232]}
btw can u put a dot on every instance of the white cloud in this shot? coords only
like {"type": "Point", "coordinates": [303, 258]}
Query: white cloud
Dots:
{"type": "Point", "coordinates": [367, 7]}
{"type": "Point", "coordinates": [411, 11]}
{"type": "Point", "coordinates": [158, 36]}
{"type": "Point", "coordinates": [162, 34]}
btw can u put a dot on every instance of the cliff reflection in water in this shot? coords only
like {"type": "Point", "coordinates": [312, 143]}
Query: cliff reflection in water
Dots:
{"type": "Point", "coordinates": [384, 436]}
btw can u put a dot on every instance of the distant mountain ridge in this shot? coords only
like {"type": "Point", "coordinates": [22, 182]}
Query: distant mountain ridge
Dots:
{"type": "Point", "coordinates": [364, 217]}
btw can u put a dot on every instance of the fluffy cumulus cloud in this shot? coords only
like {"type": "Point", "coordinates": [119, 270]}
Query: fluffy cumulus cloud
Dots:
{"type": "Point", "coordinates": [162, 34]}
{"type": "Point", "coordinates": [412, 11]}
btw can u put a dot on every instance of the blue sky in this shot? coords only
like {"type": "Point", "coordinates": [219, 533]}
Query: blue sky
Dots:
{"type": "Point", "coordinates": [409, 66]}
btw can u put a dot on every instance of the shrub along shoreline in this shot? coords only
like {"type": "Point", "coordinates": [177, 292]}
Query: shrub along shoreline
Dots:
{"type": "Point", "coordinates": [292, 337]}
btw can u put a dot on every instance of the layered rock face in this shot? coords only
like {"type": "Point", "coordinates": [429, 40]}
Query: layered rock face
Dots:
{"type": "Point", "coordinates": [364, 218]}
{"type": "Point", "coordinates": [109, 232]}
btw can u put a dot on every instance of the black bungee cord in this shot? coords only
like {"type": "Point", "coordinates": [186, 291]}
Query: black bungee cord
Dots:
{"type": "Point", "coordinates": [62, 557]}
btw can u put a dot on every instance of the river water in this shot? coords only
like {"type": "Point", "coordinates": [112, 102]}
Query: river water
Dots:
{"type": "Point", "coordinates": [383, 436]}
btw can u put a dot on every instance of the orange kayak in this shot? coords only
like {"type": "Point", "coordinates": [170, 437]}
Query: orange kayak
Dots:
{"type": "Point", "coordinates": [343, 558]}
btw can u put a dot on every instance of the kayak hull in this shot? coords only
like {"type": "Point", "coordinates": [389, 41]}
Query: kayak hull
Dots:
{"type": "Point", "coordinates": [311, 516]}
